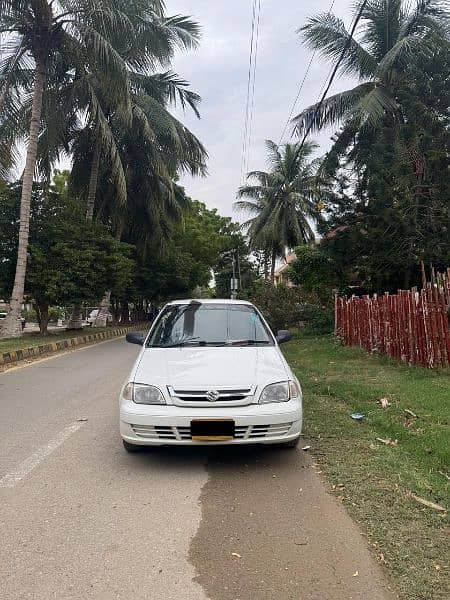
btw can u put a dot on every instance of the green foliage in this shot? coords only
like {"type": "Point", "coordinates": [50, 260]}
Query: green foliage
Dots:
{"type": "Point", "coordinates": [189, 258]}
{"type": "Point", "coordinates": [235, 249]}
{"type": "Point", "coordinates": [55, 313]}
{"type": "Point", "coordinates": [70, 260]}
{"type": "Point", "coordinates": [388, 168]}
{"type": "Point", "coordinates": [280, 305]}
{"type": "Point", "coordinates": [315, 271]}
{"type": "Point", "coordinates": [317, 319]}
{"type": "Point", "coordinates": [30, 316]}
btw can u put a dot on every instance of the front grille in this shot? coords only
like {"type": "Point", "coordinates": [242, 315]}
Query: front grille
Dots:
{"type": "Point", "coordinates": [248, 432]}
{"type": "Point", "coordinates": [162, 432]}
{"type": "Point", "coordinates": [220, 396]}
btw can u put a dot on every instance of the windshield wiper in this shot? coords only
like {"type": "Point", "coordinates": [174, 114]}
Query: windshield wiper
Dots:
{"type": "Point", "coordinates": [187, 342]}
{"type": "Point", "coordinates": [249, 342]}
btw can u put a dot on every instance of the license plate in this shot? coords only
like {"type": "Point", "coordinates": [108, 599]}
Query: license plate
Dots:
{"type": "Point", "coordinates": [212, 430]}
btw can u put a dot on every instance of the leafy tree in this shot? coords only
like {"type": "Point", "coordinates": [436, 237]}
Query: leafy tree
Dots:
{"type": "Point", "coordinates": [245, 269]}
{"type": "Point", "coordinates": [70, 259]}
{"type": "Point", "coordinates": [280, 305]}
{"type": "Point", "coordinates": [282, 200]}
{"type": "Point", "coordinates": [39, 33]}
{"type": "Point", "coordinates": [191, 255]}
{"type": "Point", "coordinates": [315, 272]}
{"type": "Point", "coordinates": [389, 162]}
{"type": "Point", "coordinates": [77, 52]}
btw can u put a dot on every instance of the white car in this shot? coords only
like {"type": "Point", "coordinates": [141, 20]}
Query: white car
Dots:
{"type": "Point", "coordinates": [210, 372]}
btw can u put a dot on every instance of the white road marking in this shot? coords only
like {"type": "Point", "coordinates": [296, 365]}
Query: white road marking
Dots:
{"type": "Point", "coordinates": [25, 467]}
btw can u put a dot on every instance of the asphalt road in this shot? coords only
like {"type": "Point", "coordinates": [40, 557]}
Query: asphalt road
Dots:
{"type": "Point", "coordinates": [81, 519]}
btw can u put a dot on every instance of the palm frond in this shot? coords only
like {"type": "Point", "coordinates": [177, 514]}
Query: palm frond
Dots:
{"type": "Point", "coordinates": [375, 105]}
{"type": "Point", "coordinates": [333, 109]}
{"type": "Point", "coordinates": [328, 35]}
{"type": "Point", "coordinates": [382, 22]}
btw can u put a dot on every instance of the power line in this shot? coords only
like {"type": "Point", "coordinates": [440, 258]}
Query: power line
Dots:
{"type": "Point", "coordinates": [251, 86]}
{"type": "Point", "coordinates": [249, 78]}
{"type": "Point", "coordinates": [302, 83]}
{"type": "Point", "coordinates": [333, 74]}
{"type": "Point", "coordinates": [252, 105]}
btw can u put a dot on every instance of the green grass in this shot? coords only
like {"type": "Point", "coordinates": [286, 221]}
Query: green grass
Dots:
{"type": "Point", "coordinates": [375, 480]}
{"type": "Point", "coordinates": [36, 339]}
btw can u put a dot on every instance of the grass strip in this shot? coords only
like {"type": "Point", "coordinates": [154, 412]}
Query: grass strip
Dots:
{"type": "Point", "coordinates": [377, 480]}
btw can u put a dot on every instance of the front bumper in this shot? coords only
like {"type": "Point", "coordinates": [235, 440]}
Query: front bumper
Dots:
{"type": "Point", "coordinates": [170, 425]}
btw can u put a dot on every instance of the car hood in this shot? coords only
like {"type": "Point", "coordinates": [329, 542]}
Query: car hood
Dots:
{"type": "Point", "coordinates": [196, 368]}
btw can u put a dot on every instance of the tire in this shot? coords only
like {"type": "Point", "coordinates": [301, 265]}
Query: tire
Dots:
{"type": "Point", "coordinates": [291, 444]}
{"type": "Point", "coordinates": [131, 447]}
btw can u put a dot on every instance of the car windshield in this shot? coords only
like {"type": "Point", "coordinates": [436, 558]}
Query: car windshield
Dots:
{"type": "Point", "coordinates": [198, 324]}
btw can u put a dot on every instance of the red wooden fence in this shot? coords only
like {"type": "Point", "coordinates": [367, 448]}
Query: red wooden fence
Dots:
{"type": "Point", "coordinates": [412, 325]}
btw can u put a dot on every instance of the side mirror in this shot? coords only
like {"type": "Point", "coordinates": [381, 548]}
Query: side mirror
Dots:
{"type": "Point", "coordinates": [136, 337]}
{"type": "Point", "coordinates": [284, 336]}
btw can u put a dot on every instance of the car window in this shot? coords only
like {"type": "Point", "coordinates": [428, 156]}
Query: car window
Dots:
{"type": "Point", "coordinates": [209, 324]}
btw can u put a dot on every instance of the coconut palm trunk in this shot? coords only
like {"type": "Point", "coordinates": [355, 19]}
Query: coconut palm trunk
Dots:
{"type": "Point", "coordinates": [102, 315]}
{"type": "Point", "coordinates": [12, 326]}
{"type": "Point", "coordinates": [76, 321]}
{"type": "Point", "coordinates": [93, 180]}
{"type": "Point", "coordinates": [273, 260]}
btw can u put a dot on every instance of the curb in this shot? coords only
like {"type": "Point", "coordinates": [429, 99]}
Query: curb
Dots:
{"type": "Point", "coordinates": [14, 356]}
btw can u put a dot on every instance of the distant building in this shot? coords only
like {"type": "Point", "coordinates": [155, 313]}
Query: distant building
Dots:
{"type": "Point", "coordinates": [281, 275]}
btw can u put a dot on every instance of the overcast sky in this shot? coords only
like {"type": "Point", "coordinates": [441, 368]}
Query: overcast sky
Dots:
{"type": "Point", "coordinates": [218, 72]}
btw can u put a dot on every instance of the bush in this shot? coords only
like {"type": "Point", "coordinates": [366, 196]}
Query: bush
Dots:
{"type": "Point", "coordinates": [319, 320]}
{"type": "Point", "coordinates": [30, 316]}
{"type": "Point", "coordinates": [315, 272]}
{"type": "Point", "coordinates": [55, 313]}
{"type": "Point", "coordinates": [280, 305]}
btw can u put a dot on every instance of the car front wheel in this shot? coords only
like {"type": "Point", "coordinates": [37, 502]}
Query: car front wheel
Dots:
{"type": "Point", "coordinates": [131, 447]}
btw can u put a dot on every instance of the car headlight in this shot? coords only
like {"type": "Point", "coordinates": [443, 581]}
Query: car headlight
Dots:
{"type": "Point", "coordinates": [279, 392]}
{"type": "Point", "coordinates": [275, 392]}
{"type": "Point", "coordinates": [141, 393]}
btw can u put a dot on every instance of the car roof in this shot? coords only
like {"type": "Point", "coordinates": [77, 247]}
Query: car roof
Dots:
{"type": "Point", "coordinates": [209, 301]}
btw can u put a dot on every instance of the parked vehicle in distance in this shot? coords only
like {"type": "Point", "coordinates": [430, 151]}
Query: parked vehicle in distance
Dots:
{"type": "Point", "coordinates": [210, 372]}
{"type": "Point", "coordinates": [93, 315]}
{"type": "Point", "coordinates": [3, 317]}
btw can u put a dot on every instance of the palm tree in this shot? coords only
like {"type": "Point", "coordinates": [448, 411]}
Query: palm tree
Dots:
{"type": "Point", "coordinates": [283, 200]}
{"type": "Point", "coordinates": [37, 33]}
{"type": "Point", "coordinates": [392, 33]}
{"type": "Point", "coordinates": [153, 150]}
{"type": "Point", "coordinates": [93, 42]}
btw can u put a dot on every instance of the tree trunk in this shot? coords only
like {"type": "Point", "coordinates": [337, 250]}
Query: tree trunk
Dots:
{"type": "Point", "coordinates": [93, 180]}
{"type": "Point", "coordinates": [42, 314]}
{"type": "Point", "coordinates": [101, 320]}
{"type": "Point", "coordinates": [273, 260]}
{"type": "Point", "coordinates": [12, 326]}
{"type": "Point", "coordinates": [125, 312]}
{"type": "Point", "coordinates": [116, 311]}
{"type": "Point", "coordinates": [76, 320]}
{"type": "Point", "coordinates": [102, 315]}
{"type": "Point", "coordinates": [266, 265]}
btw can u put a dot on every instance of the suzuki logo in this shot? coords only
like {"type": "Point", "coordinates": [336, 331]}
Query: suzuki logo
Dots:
{"type": "Point", "coordinates": [212, 395]}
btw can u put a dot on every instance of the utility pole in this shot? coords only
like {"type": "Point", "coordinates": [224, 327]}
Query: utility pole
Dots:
{"type": "Point", "coordinates": [234, 282]}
